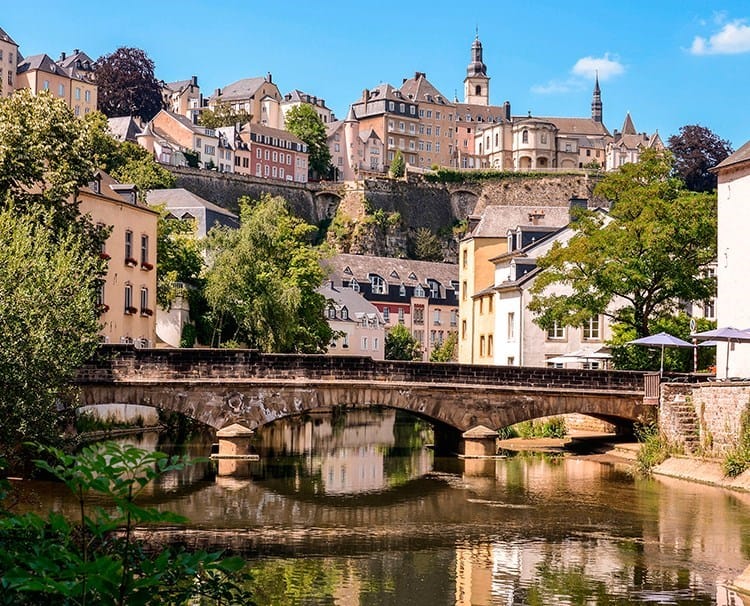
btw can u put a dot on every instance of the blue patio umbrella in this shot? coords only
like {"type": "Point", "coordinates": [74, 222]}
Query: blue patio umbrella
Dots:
{"type": "Point", "coordinates": [725, 333]}
{"type": "Point", "coordinates": [662, 339]}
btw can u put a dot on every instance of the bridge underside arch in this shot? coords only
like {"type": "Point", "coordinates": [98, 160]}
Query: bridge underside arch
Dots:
{"type": "Point", "coordinates": [459, 408]}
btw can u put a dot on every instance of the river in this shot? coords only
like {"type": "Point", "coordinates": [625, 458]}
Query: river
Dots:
{"type": "Point", "coordinates": [353, 509]}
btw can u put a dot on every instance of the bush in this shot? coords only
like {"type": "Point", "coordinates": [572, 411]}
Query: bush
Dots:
{"type": "Point", "coordinates": [654, 448]}
{"type": "Point", "coordinates": [554, 427]}
{"type": "Point", "coordinates": [737, 460]}
{"type": "Point", "coordinates": [188, 337]}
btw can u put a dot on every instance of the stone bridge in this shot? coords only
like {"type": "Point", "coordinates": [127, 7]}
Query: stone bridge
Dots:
{"type": "Point", "coordinates": [220, 387]}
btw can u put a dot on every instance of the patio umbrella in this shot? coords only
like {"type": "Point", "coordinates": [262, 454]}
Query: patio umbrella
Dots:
{"type": "Point", "coordinates": [728, 334]}
{"type": "Point", "coordinates": [662, 339]}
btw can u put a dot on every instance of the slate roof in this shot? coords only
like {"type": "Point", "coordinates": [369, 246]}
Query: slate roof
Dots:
{"type": "Point", "coordinates": [242, 89]}
{"type": "Point", "coordinates": [487, 113]}
{"type": "Point", "coordinates": [392, 270]}
{"type": "Point", "coordinates": [124, 129]}
{"type": "Point", "coordinates": [262, 129]}
{"type": "Point", "coordinates": [576, 126]}
{"type": "Point", "coordinates": [182, 198]}
{"type": "Point", "coordinates": [741, 155]}
{"type": "Point", "coordinates": [354, 302]}
{"type": "Point", "coordinates": [43, 63]}
{"type": "Point", "coordinates": [420, 89]}
{"type": "Point", "coordinates": [497, 220]}
{"type": "Point", "coordinates": [5, 37]}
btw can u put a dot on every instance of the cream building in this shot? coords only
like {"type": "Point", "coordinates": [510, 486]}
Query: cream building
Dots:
{"type": "Point", "coordinates": [297, 98]}
{"type": "Point", "coordinates": [259, 97]}
{"type": "Point", "coordinates": [733, 250]}
{"type": "Point", "coordinates": [127, 299]}
{"type": "Point", "coordinates": [358, 325]}
{"type": "Point", "coordinates": [353, 151]}
{"type": "Point", "coordinates": [183, 98]}
{"type": "Point", "coordinates": [8, 62]}
{"type": "Point", "coordinates": [626, 145]}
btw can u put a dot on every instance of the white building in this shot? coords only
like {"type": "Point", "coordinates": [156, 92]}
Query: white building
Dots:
{"type": "Point", "coordinates": [358, 325]}
{"type": "Point", "coordinates": [733, 250]}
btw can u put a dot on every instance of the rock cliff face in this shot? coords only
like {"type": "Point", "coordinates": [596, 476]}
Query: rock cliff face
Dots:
{"type": "Point", "coordinates": [381, 216]}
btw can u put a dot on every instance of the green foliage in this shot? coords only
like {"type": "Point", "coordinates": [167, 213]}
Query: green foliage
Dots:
{"type": "Point", "coordinates": [737, 459]}
{"type": "Point", "coordinates": [447, 351]}
{"type": "Point", "coordinates": [454, 175]}
{"type": "Point", "coordinates": [676, 359]}
{"type": "Point", "coordinates": [639, 262]}
{"type": "Point", "coordinates": [427, 246]}
{"type": "Point", "coordinates": [398, 165]}
{"type": "Point", "coordinates": [97, 559]}
{"type": "Point", "coordinates": [303, 122]}
{"type": "Point", "coordinates": [192, 158]}
{"type": "Point", "coordinates": [188, 336]}
{"type": "Point", "coordinates": [88, 422]}
{"type": "Point", "coordinates": [126, 84]}
{"type": "Point", "coordinates": [48, 322]}
{"type": "Point", "coordinates": [223, 115]}
{"type": "Point", "coordinates": [654, 448]}
{"type": "Point", "coordinates": [554, 427]}
{"type": "Point", "coordinates": [401, 345]}
{"type": "Point", "coordinates": [180, 256]}
{"type": "Point", "coordinates": [507, 433]}
{"type": "Point", "coordinates": [265, 277]}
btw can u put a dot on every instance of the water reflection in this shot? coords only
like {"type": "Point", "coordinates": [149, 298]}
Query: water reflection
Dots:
{"type": "Point", "coordinates": [354, 510]}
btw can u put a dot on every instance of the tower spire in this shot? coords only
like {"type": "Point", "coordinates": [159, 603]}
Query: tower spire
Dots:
{"type": "Point", "coordinates": [596, 101]}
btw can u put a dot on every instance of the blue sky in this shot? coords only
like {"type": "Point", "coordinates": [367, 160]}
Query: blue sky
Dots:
{"type": "Point", "coordinates": [669, 63]}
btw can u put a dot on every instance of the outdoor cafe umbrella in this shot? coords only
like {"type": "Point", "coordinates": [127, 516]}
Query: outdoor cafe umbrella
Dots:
{"type": "Point", "coordinates": [728, 334]}
{"type": "Point", "coordinates": [662, 339]}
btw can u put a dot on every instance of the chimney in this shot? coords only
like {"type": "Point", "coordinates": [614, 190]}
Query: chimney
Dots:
{"type": "Point", "coordinates": [506, 110]}
{"type": "Point", "coordinates": [194, 80]}
{"type": "Point", "coordinates": [217, 92]}
{"type": "Point", "coordinates": [62, 56]}
{"type": "Point", "coordinates": [76, 51]}
{"type": "Point", "coordinates": [269, 78]}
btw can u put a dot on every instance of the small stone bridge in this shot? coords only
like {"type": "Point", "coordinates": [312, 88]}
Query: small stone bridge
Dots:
{"type": "Point", "coordinates": [220, 387]}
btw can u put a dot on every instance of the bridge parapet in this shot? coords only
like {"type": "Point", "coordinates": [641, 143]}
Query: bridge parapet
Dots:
{"type": "Point", "coordinates": [120, 363]}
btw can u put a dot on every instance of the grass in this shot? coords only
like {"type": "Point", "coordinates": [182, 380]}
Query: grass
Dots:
{"type": "Point", "coordinates": [654, 448]}
{"type": "Point", "coordinates": [554, 427]}
{"type": "Point", "coordinates": [737, 460]}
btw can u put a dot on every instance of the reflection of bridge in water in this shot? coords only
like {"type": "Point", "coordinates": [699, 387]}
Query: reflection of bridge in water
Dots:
{"type": "Point", "coordinates": [222, 387]}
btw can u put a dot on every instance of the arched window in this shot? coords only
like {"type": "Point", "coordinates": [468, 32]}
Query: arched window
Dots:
{"type": "Point", "coordinates": [419, 291]}
{"type": "Point", "coordinates": [478, 90]}
{"type": "Point", "coordinates": [525, 136]}
{"type": "Point", "coordinates": [344, 313]}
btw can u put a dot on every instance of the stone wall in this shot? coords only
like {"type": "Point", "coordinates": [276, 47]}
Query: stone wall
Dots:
{"type": "Point", "coordinates": [717, 410]}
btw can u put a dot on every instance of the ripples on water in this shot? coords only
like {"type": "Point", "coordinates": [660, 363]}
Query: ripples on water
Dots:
{"type": "Point", "coordinates": [356, 511]}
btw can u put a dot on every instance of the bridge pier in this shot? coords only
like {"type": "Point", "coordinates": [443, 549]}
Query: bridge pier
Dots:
{"type": "Point", "coordinates": [478, 442]}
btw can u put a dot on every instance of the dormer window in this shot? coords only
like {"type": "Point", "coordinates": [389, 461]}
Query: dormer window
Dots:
{"type": "Point", "coordinates": [402, 291]}
{"type": "Point", "coordinates": [434, 288]}
{"type": "Point", "coordinates": [354, 285]}
{"type": "Point", "coordinates": [378, 285]}
{"type": "Point", "coordinates": [331, 313]}
{"type": "Point", "coordinates": [419, 291]}
{"type": "Point", "coordinates": [344, 313]}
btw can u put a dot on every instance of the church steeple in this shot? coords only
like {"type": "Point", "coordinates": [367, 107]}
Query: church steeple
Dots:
{"type": "Point", "coordinates": [477, 83]}
{"type": "Point", "coordinates": [596, 102]}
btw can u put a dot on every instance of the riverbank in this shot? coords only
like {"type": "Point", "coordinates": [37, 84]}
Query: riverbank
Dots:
{"type": "Point", "coordinates": [604, 448]}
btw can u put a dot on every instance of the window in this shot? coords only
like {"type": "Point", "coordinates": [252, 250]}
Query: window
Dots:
{"type": "Point", "coordinates": [128, 298]}
{"type": "Point", "coordinates": [100, 295]}
{"type": "Point", "coordinates": [364, 343]}
{"type": "Point", "coordinates": [45, 85]}
{"type": "Point", "coordinates": [331, 312]}
{"type": "Point", "coordinates": [128, 244]}
{"type": "Point", "coordinates": [275, 172]}
{"type": "Point", "coordinates": [144, 299]}
{"type": "Point", "coordinates": [87, 96]}
{"type": "Point", "coordinates": [709, 308]}
{"type": "Point", "coordinates": [354, 285]}
{"type": "Point", "coordinates": [591, 329]}
{"type": "Point", "coordinates": [511, 325]}
{"type": "Point", "coordinates": [568, 147]}
{"type": "Point", "coordinates": [556, 331]}
{"type": "Point", "coordinates": [481, 346]}
{"type": "Point", "coordinates": [344, 313]}
{"type": "Point", "coordinates": [210, 150]}
{"type": "Point", "coordinates": [490, 299]}
{"type": "Point", "coordinates": [465, 259]}
{"type": "Point", "coordinates": [391, 106]}
{"type": "Point", "coordinates": [402, 291]}
{"type": "Point", "coordinates": [78, 93]}
{"type": "Point", "coordinates": [434, 288]}
{"type": "Point", "coordinates": [525, 136]}
{"type": "Point", "coordinates": [412, 110]}
{"type": "Point", "coordinates": [511, 361]}
{"type": "Point", "coordinates": [375, 344]}
{"type": "Point", "coordinates": [436, 317]}
{"type": "Point", "coordinates": [401, 126]}
{"type": "Point", "coordinates": [419, 291]}
{"type": "Point", "coordinates": [61, 90]}
{"type": "Point", "coordinates": [378, 285]}
{"type": "Point", "coordinates": [401, 315]}
{"type": "Point", "coordinates": [401, 107]}
{"type": "Point", "coordinates": [144, 249]}
{"type": "Point", "coordinates": [454, 317]}
{"type": "Point", "coordinates": [418, 314]}
{"type": "Point", "coordinates": [463, 329]}
{"type": "Point", "coordinates": [258, 153]}
{"type": "Point", "coordinates": [463, 291]}
{"type": "Point", "coordinates": [345, 340]}
{"type": "Point", "coordinates": [258, 169]}
{"type": "Point", "coordinates": [490, 345]}
{"type": "Point", "coordinates": [387, 314]}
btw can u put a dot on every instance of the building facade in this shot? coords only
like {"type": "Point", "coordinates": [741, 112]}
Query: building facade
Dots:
{"type": "Point", "coordinates": [421, 295]}
{"type": "Point", "coordinates": [127, 298]}
{"type": "Point", "coordinates": [357, 324]}
{"type": "Point", "coordinates": [8, 62]}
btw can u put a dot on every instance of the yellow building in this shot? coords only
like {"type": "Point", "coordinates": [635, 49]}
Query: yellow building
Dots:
{"type": "Point", "coordinates": [71, 82]}
{"type": "Point", "coordinates": [127, 298]}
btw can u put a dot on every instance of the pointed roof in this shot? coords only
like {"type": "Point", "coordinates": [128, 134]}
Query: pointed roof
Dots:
{"type": "Point", "coordinates": [740, 156]}
{"type": "Point", "coordinates": [628, 128]}
{"type": "Point", "coordinates": [43, 63]}
{"type": "Point", "coordinates": [420, 89]}
{"type": "Point", "coordinates": [476, 68]}
{"type": "Point", "coordinates": [597, 90]}
{"type": "Point", "coordinates": [5, 37]}
{"type": "Point", "coordinates": [351, 116]}
{"type": "Point", "coordinates": [241, 89]}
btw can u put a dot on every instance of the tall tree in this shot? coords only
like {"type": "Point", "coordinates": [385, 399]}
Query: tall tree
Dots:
{"type": "Point", "coordinates": [398, 165]}
{"type": "Point", "coordinates": [48, 322]}
{"type": "Point", "coordinates": [447, 351]}
{"type": "Point", "coordinates": [264, 278]}
{"type": "Point", "coordinates": [637, 263]}
{"type": "Point", "coordinates": [697, 149]}
{"type": "Point", "coordinates": [127, 85]}
{"type": "Point", "coordinates": [401, 345]}
{"type": "Point", "coordinates": [180, 257]}
{"type": "Point", "coordinates": [427, 246]}
{"type": "Point", "coordinates": [304, 122]}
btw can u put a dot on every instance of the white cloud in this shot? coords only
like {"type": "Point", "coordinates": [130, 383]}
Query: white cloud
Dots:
{"type": "Point", "coordinates": [604, 66]}
{"type": "Point", "coordinates": [582, 73]}
{"type": "Point", "coordinates": [732, 39]}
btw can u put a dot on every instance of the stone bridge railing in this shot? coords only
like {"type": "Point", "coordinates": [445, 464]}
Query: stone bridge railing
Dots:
{"type": "Point", "coordinates": [121, 363]}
